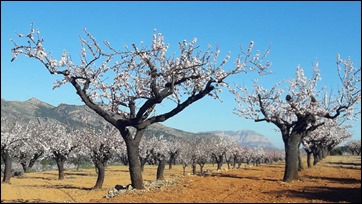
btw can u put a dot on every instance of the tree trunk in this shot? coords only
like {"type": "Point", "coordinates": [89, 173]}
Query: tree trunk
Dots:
{"type": "Point", "coordinates": [309, 154]}
{"type": "Point", "coordinates": [315, 157]}
{"type": "Point", "coordinates": [161, 169]}
{"type": "Point", "coordinates": [24, 166]}
{"type": "Point", "coordinates": [291, 157]}
{"type": "Point", "coordinates": [134, 164]}
{"type": "Point", "coordinates": [101, 174]}
{"type": "Point", "coordinates": [7, 171]}
{"type": "Point", "coordinates": [184, 169]}
{"type": "Point", "coordinates": [201, 168]}
{"type": "Point", "coordinates": [143, 161]}
{"type": "Point", "coordinates": [219, 161]}
{"type": "Point", "coordinates": [60, 159]}
{"type": "Point", "coordinates": [36, 156]}
{"type": "Point", "coordinates": [193, 168]}
{"type": "Point", "coordinates": [325, 152]}
{"type": "Point", "coordinates": [300, 164]}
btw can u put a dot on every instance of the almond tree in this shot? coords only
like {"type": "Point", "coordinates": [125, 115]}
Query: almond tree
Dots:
{"type": "Point", "coordinates": [126, 87]}
{"type": "Point", "coordinates": [173, 150]}
{"type": "Point", "coordinates": [30, 151]}
{"type": "Point", "coordinates": [304, 108]}
{"type": "Point", "coordinates": [59, 143]}
{"type": "Point", "coordinates": [185, 156]}
{"type": "Point", "coordinates": [321, 141]}
{"type": "Point", "coordinates": [219, 146]}
{"type": "Point", "coordinates": [354, 146]}
{"type": "Point", "coordinates": [145, 151]}
{"type": "Point", "coordinates": [100, 146]}
{"type": "Point", "coordinates": [200, 153]}
{"type": "Point", "coordinates": [13, 135]}
{"type": "Point", "coordinates": [160, 149]}
{"type": "Point", "coordinates": [33, 149]}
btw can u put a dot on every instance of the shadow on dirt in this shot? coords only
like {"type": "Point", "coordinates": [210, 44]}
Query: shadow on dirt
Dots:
{"type": "Point", "coordinates": [345, 163]}
{"type": "Point", "coordinates": [61, 187]}
{"type": "Point", "coordinates": [336, 180]}
{"type": "Point", "coordinates": [242, 177]}
{"type": "Point", "coordinates": [81, 174]}
{"type": "Point", "coordinates": [328, 194]}
{"type": "Point", "coordinates": [113, 170]}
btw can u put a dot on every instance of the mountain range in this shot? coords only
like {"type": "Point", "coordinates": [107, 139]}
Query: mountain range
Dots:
{"type": "Point", "coordinates": [34, 109]}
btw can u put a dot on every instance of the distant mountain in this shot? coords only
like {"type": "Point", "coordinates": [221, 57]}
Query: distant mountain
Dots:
{"type": "Point", "coordinates": [247, 138]}
{"type": "Point", "coordinates": [34, 109]}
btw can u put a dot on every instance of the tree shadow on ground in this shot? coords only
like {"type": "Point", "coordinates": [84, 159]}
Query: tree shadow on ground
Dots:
{"type": "Point", "coordinates": [345, 163]}
{"type": "Point", "coordinates": [114, 170]}
{"type": "Point", "coordinates": [336, 180]}
{"type": "Point", "coordinates": [61, 187]}
{"type": "Point", "coordinates": [242, 177]}
{"type": "Point", "coordinates": [37, 177]}
{"type": "Point", "coordinates": [81, 174]}
{"type": "Point", "coordinates": [328, 194]}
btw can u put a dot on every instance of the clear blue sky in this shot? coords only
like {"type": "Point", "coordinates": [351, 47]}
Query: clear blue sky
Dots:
{"type": "Point", "coordinates": [297, 32]}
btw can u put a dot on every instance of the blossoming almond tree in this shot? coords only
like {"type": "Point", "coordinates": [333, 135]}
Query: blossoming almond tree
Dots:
{"type": "Point", "coordinates": [354, 146]}
{"type": "Point", "coordinates": [321, 141]}
{"type": "Point", "coordinates": [304, 108]}
{"type": "Point", "coordinates": [125, 87]}
{"type": "Point", "coordinates": [100, 146]}
{"type": "Point", "coordinates": [59, 143]}
{"type": "Point", "coordinates": [13, 136]}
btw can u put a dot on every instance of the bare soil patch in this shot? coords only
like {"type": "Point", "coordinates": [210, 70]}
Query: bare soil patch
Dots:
{"type": "Point", "coordinates": [335, 179]}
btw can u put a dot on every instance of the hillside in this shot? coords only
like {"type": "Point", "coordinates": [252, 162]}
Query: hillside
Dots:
{"type": "Point", "coordinates": [34, 109]}
{"type": "Point", "coordinates": [248, 138]}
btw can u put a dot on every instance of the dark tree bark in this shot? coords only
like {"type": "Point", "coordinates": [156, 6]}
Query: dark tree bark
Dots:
{"type": "Point", "coordinates": [316, 156]}
{"type": "Point", "coordinates": [60, 160]}
{"type": "Point", "coordinates": [219, 160]}
{"type": "Point", "coordinates": [291, 157]}
{"type": "Point", "coordinates": [24, 166]}
{"type": "Point", "coordinates": [135, 170]}
{"type": "Point", "coordinates": [101, 175]}
{"type": "Point", "coordinates": [193, 164]}
{"type": "Point", "coordinates": [173, 156]}
{"type": "Point", "coordinates": [300, 163]}
{"type": "Point", "coordinates": [161, 169]}
{"type": "Point", "coordinates": [201, 168]}
{"type": "Point", "coordinates": [7, 171]}
{"type": "Point", "coordinates": [309, 154]}
{"type": "Point", "coordinates": [194, 168]}
{"type": "Point", "coordinates": [35, 157]}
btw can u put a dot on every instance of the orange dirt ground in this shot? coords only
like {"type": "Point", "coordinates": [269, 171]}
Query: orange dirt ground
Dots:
{"type": "Point", "coordinates": [335, 179]}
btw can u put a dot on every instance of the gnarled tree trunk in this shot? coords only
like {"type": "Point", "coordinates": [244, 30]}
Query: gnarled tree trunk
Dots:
{"type": "Point", "coordinates": [60, 160]}
{"type": "Point", "coordinates": [133, 158]}
{"type": "Point", "coordinates": [291, 157]}
{"type": "Point", "coordinates": [161, 168]}
{"type": "Point", "coordinates": [101, 174]}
